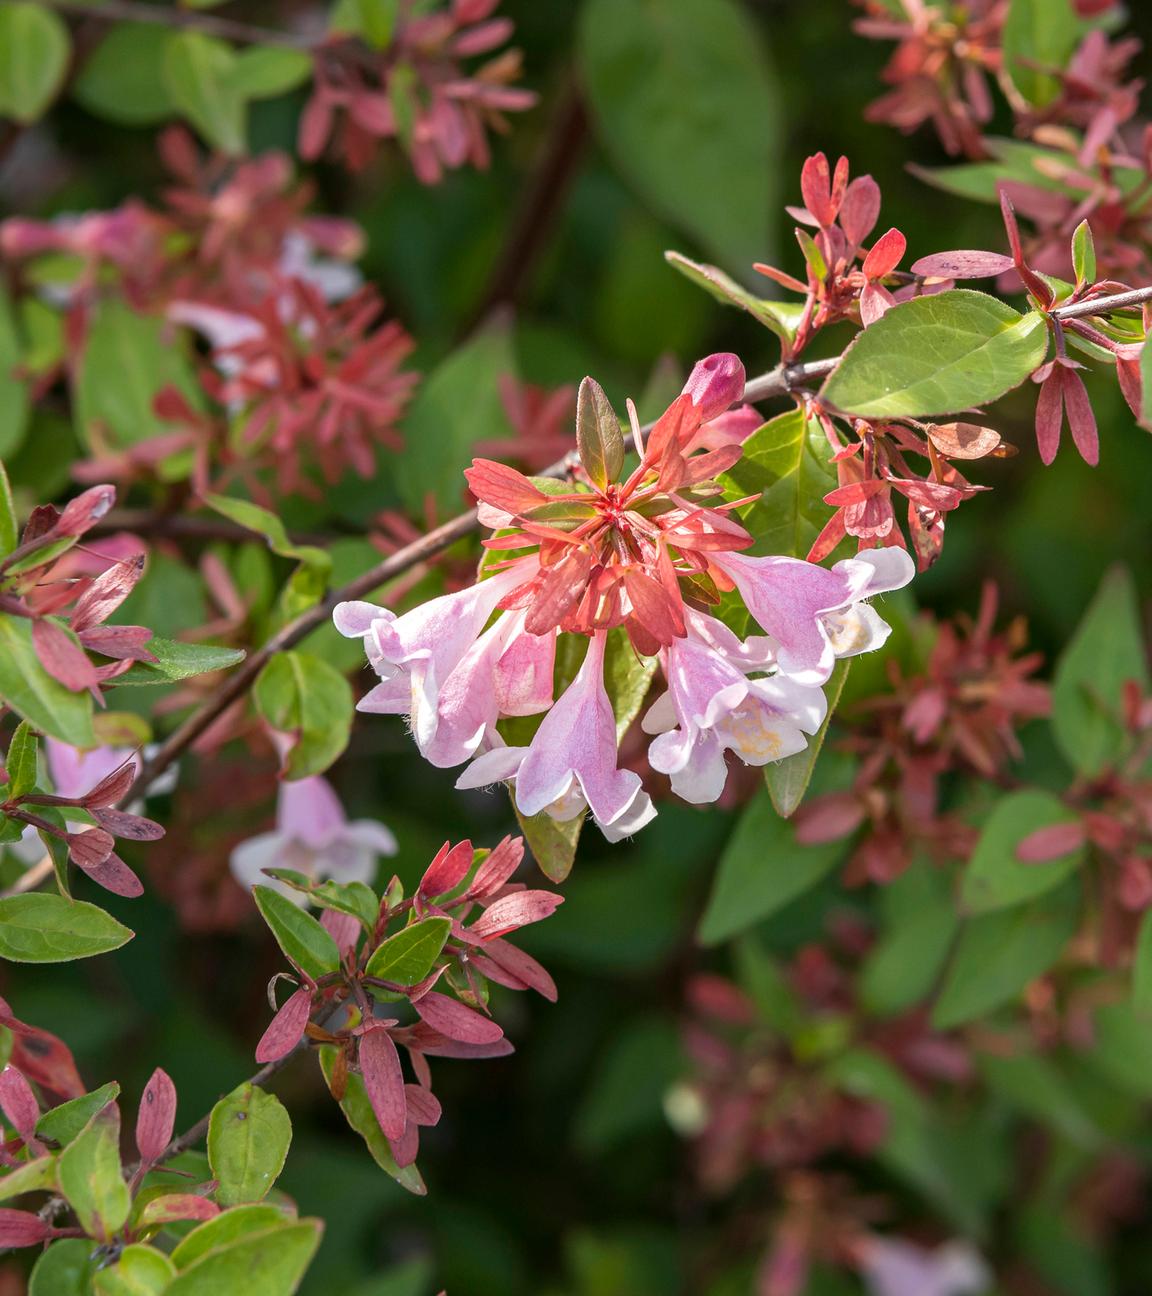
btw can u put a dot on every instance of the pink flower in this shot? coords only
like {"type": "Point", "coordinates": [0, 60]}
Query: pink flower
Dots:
{"type": "Point", "coordinates": [312, 836]}
{"type": "Point", "coordinates": [418, 655]}
{"type": "Point", "coordinates": [816, 615]}
{"type": "Point", "coordinates": [570, 765]}
{"type": "Point", "coordinates": [712, 706]}
{"type": "Point", "coordinates": [893, 1267]}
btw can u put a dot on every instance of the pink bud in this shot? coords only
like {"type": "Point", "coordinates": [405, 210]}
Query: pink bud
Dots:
{"type": "Point", "coordinates": [716, 382]}
{"type": "Point", "coordinates": [156, 1118]}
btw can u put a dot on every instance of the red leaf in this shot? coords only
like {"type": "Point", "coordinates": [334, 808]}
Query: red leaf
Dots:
{"type": "Point", "coordinates": [113, 787]}
{"type": "Point", "coordinates": [963, 440]}
{"type": "Point", "coordinates": [503, 487]}
{"type": "Point", "coordinates": [1081, 419]}
{"type": "Point", "coordinates": [83, 512]}
{"type": "Point", "coordinates": [106, 593]}
{"type": "Point", "coordinates": [90, 847]}
{"type": "Point", "coordinates": [156, 1118]}
{"type": "Point", "coordinates": [448, 869]}
{"type": "Point", "coordinates": [124, 643]}
{"type": "Point", "coordinates": [513, 911]}
{"type": "Point", "coordinates": [860, 210]}
{"type": "Point", "coordinates": [18, 1103]}
{"type": "Point", "coordinates": [129, 826]}
{"type": "Point", "coordinates": [828, 818]}
{"type": "Point", "coordinates": [22, 1228]}
{"type": "Point", "coordinates": [1050, 843]}
{"type": "Point", "coordinates": [964, 264]}
{"type": "Point", "coordinates": [500, 865]}
{"type": "Point", "coordinates": [885, 255]}
{"type": "Point", "coordinates": [1050, 415]}
{"type": "Point", "coordinates": [115, 876]}
{"type": "Point", "coordinates": [452, 1019]}
{"type": "Point", "coordinates": [653, 607]}
{"type": "Point", "coordinates": [423, 1106]}
{"type": "Point", "coordinates": [816, 188]}
{"type": "Point", "coordinates": [178, 1206]}
{"type": "Point", "coordinates": [422, 1038]}
{"type": "Point", "coordinates": [384, 1081]}
{"type": "Point", "coordinates": [405, 1149]}
{"type": "Point", "coordinates": [62, 657]}
{"type": "Point", "coordinates": [343, 928]}
{"type": "Point", "coordinates": [286, 1029]}
{"type": "Point", "coordinates": [522, 967]}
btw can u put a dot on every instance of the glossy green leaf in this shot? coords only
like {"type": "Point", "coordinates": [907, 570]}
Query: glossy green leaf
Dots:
{"type": "Point", "coordinates": [271, 1263]}
{"type": "Point", "coordinates": [44, 928]}
{"type": "Point", "coordinates": [999, 953]}
{"type": "Point", "coordinates": [1084, 253]}
{"type": "Point", "coordinates": [91, 1178]}
{"type": "Point", "coordinates": [265, 71]}
{"type": "Point", "coordinates": [787, 780]}
{"type": "Point", "coordinates": [15, 408]}
{"type": "Point", "coordinates": [359, 1114]}
{"type": "Point", "coordinates": [30, 1176]}
{"type": "Point", "coordinates": [781, 317]}
{"type": "Point", "coordinates": [34, 51]}
{"type": "Point", "coordinates": [33, 694]}
{"type": "Point", "coordinates": [993, 877]}
{"type": "Point", "coordinates": [123, 78]}
{"type": "Point", "coordinates": [126, 360]}
{"type": "Point", "coordinates": [305, 943]}
{"type": "Point", "coordinates": [226, 1228]}
{"type": "Point", "coordinates": [761, 870]}
{"type": "Point", "coordinates": [667, 81]}
{"type": "Point", "coordinates": [199, 71]}
{"type": "Point", "coordinates": [21, 760]}
{"type": "Point", "coordinates": [249, 1133]}
{"type": "Point", "coordinates": [937, 355]}
{"type": "Point", "coordinates": [303, 696]}
{"type": "Point", "coordinates": [139, 1270]}
{"type": "Point", "coordinates": [65, 1269]}
{"type": "Point", "coordinates": [62, 1124]}
{"type": "Point", "coordinates": [1105, 653]}
{"type": "Point", "coordinates": [177, 661]}
{"type": "Point", "coordinates": [409, 955]}
{"type": "Point", "coordinates": [786, 463]}
{"type": "Point", "coordinates": [355, 898]}
{"type": "Point", "coordinates": [1039, 38]}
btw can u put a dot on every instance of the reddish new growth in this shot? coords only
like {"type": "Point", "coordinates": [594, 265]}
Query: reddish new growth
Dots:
{"type": "Point", "coordinates": [625, 553]}
{"type": "Point", "coordinates": [467, 909]}
{"type": "Point", "coordinates": [418, 92]}
{"type": "Point", "coordinates": [960, 715]}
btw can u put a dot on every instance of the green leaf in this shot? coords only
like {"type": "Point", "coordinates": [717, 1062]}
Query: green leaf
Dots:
{"type": "Point", "coordinates": [599, 439]}
{"type": "Point", "coordinates": [627, 679]}
{"type": "Point", "coordinates": [249, 1133]}
{"type": "Point", "coordinates": [781, 317]}
{"type": "Point", "coordinates": [937, 355]}
{"type": "Point", "coordinates": [626, 1093]}
{"type": "Point", "coordinates": [1142, 968]}
{"type": "Point", "coordinates": [265, 523]}
{"type": "Point", "coordinates": [224, 1229]}
{"type": "Point", "coordinates": [43, 928]}
{"type": "Point", "coordinates": [199, 71]}
{"type": "Point", "coordinates": [786, 463]}
{"type": "Point", "coordinates": [62, 1124]}
{"type": "Point", "coordinates": [177, 661]}
{"type": "Point", "coordinates": [552, 843]}
{"type": "Point", "coordinates": [1122, 1049]}
{"type": "Point", "coordinates": [666, 82]}
{"type": "Point", "coordinates": [1039, 35]}
{"type": "Point", "coordinates": [34, 51]}
{"type": "Point", "coordinates": [91, 1177]}
{"type": "Point", "coordinates": [123, 78]}
{"type": "Point", "coordinates": [359, 1114]}
{"type": "Point", "coordinates": [31, 1176]}
{"type": "Point", "coordinates": [65, 1269]}
{"type": "Point", "coordinates": [271, 1263]}
{"type": "Point", "coordinates": [21, 760]}
{"type": "Point", "coordinates": [305, 943]}
{"type": "Point", "coordinates": [355, 898]}
{"type": "Point", "coordinates": [787, 780]}
{"type": "Point", "coordinates": [1105, 653]}
{"type": "Point", "coordinates": [265, 71]}
{"type": "Point", "coordinates": [1146, 386]}
{"type": "Point", "coordinates": [126, 360]}
{"type": "Point", "coordinates": [456, 406]}
{"type": "Point", "coordinates": [15, 407]}
{"type": "Point", "coordinates": [374, 20]}
{"type": "Point", "coordinates": [761, 870]}
{"type": "Point", "coordinates": [1035, 1085]}
{"type": "Point", "coordinates": [302, 695]}
{"type": "Point", "coordinates": [139, 1271]}
{"type": "Point", "coordinates": [33, 694]}
{"type": "Point", "coordinates": [9, 532]}
{"type": "Point", "coordinates": [993, 877]}
{"type": "Point", "coordinates": [920, 922]}
{"type": "Point", "coordinates": [1084, 253]}
{"type": "Point", "coordinates": [410, 955]}
{"type": "Point", "coordinates": [999, 953]}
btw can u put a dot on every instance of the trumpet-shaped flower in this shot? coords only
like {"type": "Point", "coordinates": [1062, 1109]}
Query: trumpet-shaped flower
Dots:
{"type": "Point", "coordinates": [713, 706]}
{"type": "Point", "coordinates": [570, 765]}
{"type": "Point", "coordinates": [312, 836]}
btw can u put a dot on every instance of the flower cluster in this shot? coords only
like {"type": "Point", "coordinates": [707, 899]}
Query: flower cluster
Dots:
{"type": "Point", "coordinates": [435, 951]}
{"type": "Point", "coordinates": [417, 91]}
{"type": "Point", "coordinates": [648, 555]}
{"type": "Point", "coordinates": [960, 715]}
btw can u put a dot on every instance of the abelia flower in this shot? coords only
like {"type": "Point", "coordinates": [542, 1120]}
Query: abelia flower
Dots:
{"type": "Point", "coordinates": [895, 1267]}
{"type": "Point", "coordinates": [312, 836]}
{"type": "Point", "coordinates": [714, 705]}
{"type": "Point", "coordinates": [571, 766]}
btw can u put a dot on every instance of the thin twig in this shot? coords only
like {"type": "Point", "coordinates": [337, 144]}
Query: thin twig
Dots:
{"type": "Point", "coordinates": [188, 19]}
{"type": "Point", "coordinates": [1104, 305]}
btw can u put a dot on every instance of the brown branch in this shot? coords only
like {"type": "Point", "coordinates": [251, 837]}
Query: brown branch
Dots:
{"type": "Point", "coordinates": [1103, 305]}
{"type": "Point", "coordinates": [188, 19]}
{"type": "Point", "coordinates": [181, 526]}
